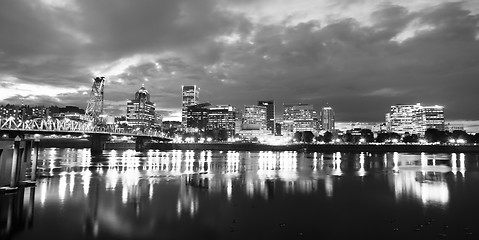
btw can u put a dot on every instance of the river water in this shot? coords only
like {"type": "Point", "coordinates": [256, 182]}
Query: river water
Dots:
{"type": "Point", "coordinates": [246, 195]}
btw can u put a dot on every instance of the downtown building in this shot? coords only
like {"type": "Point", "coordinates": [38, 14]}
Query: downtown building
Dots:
{"type": "Point", "coordinates": [414, 119]}
{"type": "Point", "coordinates": [224, 117]}
{"type": "Point", "coordinates": [197, 117]}
{"type": "Point", "coordinates": [189, 97]}
{"type": "Point", "coordinates": [23, 112]}
{"type": "Point", "coordinates": [254, 122]}
{"type": "Point", "coordinates": [140, 112]}
{"type": "Point", "coordinates": [327, 119]}
{"type": "Point", "coordinates": [27, 112]}
{"type": "Point", "coordinates": [299, 117]}
{"type": "Point", "coordinates": [254, 117]}
{"type": "Point", "coordinates": [270, 114]}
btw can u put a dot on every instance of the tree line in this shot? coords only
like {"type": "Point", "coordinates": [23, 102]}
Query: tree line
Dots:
{"type": "Point", "coordinates": [367, 136]}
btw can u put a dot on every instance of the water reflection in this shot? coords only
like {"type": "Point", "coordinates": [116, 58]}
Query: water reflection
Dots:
{"type": "Point", "coordinates": [131, 194]}
{"type": "Point", "coordinates": [16, 212]}
{"type": "Point", "coordinates": [415, 176]}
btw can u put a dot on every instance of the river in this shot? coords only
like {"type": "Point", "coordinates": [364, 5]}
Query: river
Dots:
{"type": "Point", "coordinates": [246, 195]}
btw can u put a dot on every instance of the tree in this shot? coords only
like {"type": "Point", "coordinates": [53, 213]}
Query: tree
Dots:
{"type": "Point", "coordinates": [367, 135]}
{"type": "Point", "coordinates": [476, 138]}
{"type": "Point", "coordinates": [297, 136]}
{"type": "Point", "coordinates": [413, 138]}
{"type": "Point", "coordinates": [209, 134]}
{"type": "Point", "coordinates": [348, 138]}
{"type": "Point", "coordinates": [458, 134]}
{"type": "Point", "coordinates": [382, 137]}
{"type": "Point", "coordinates": [222, 135]}
{"type": "Point", "coordinates": [434, 135]}
{"type": "Point", "coordinates": [394, 135]}
{"type": "Point", "coordinates": [328, 137]}
{"type": "Point", "coordinates": [308, 136]}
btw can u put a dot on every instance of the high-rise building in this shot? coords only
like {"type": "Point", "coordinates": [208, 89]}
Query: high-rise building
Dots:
{"type": "Point", "coordinates": [414, 119]}
{"type": "Point", "coordinates": [429, 117]}
{"type": "Point", "coordinates": [298, 118]}
{"type": "Point", "coordinates": [327, 119]}
{"type": "Point", "coordinates": [197, 117]}
{"type": "Point", "coordinates": [270, 114]}
{"type": "Point", "coordinates": [140, 112]}
{"type": "Point", "coordinates": [189, 97]}
{"type": "Point", "coordinates": [254, 117]}
{"type": "Point", "coordinates": [401, 118]}
{"type": "Point", "coordinates": [223, 117]}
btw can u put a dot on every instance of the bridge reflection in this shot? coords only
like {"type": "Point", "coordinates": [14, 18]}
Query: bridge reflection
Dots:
{"type": "Point", "coordinates": [16, 212]}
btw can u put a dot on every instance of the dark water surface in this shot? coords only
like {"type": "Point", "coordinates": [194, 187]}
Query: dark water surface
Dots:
{"type": "Point", "coordinates": [246, 195]}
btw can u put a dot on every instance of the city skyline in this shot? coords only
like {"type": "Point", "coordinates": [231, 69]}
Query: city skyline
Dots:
{"type": "Point", "coordinates": [361, 57]}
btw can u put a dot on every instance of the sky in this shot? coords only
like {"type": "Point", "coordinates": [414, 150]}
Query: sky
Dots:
{"type": "Point", "coordinates": [357, 56]}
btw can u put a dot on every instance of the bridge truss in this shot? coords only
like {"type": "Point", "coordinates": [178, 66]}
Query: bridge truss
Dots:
{"type": "Point", "coordinates": [94, 108]}
{"type": "Point", "coordinates": [65, 125]}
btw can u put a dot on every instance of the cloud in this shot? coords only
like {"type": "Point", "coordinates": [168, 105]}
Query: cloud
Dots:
{"type": "Point", "coordinates": [360, 56]}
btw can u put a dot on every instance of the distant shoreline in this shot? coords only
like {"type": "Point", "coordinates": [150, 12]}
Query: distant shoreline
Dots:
{"type": "Point", "coordinates": [83, 143]}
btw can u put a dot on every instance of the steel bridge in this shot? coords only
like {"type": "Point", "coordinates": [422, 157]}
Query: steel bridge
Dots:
{"type": "Point", "coordinates": [97, 134]}
{"type": "Point", "coordinates": [52, 125]}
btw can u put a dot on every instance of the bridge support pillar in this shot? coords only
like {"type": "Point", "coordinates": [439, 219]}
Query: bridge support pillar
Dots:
{"type": "Point", "coordinates": [16, 161]}
{"type": "Point", "coordinates": [34, 159]}
{"type": "Point", "coordinates": [140, 144]}
{"type": "Point", "coordinates": [97, 143]}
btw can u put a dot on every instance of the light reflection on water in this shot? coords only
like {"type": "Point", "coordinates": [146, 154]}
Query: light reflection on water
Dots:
{"type": "Point", "coordinates": [420, 177]}
{"type": "Point", "coordinates": [125, 193]}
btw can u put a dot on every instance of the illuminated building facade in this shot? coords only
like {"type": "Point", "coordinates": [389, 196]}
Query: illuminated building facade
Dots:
{"type": "Point", "coordinates": [189, 97]}
{"type": "Point", "coordinates": [140, 112]}
{"type": "Point", "coordinates": [430, 117]}
{"type": "Point", "coordinates": [327, 119]}
{"type": "Point", "coordinates": [451, 127]}
{"type": "Point", "coordinates": [298, 117]}
{"type": "Point", "coordinates": [401, 118]}
{"type": "Point", "coordinates": [223, 117]}
{"type": "Point", "coordinates": [270, 114]}
{"type": "Point", "coordinates": [414, 119]}
{"type": "Point", "coordinates": [26, 112]}
{"type": "Point", "coordinates": [254, 117]}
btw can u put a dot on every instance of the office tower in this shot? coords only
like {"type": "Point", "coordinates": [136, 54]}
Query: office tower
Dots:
{"type": "Point", "coordinates": [327, 118]}
{"type": "Point", "coordinates": [401, 118]}
{"type": "Point", "coordinates": [223, 117]}
{"type": "Point", "coordinates": [197, 117]}
{"type": "Point", "coordinates": [254, 117]}
{"type": "Point", "coordinates": [414, 119]}
{"type": "Point", "coordinates": [140, 112]}
{"type": "Point", "coordinates": [429, 117]}
{"type": "Point", "coordinates": [298, 118]}
{"type": "Point", "coordinates": [270, 114]}
{"type": "Point", "coordinates": [189, 97]}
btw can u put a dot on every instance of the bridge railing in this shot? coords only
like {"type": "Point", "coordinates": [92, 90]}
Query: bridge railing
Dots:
{"type": "Point", "coordinates": [70, 125]}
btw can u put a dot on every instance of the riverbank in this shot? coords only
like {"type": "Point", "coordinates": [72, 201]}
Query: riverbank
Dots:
{"type": "Point", "coordinates": [83, 143]}
{"type": "Point", "coordinates": [304, 147]}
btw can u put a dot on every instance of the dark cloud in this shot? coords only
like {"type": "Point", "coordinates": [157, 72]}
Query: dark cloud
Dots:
{"type": "Point", "coordinates": [401, 56]}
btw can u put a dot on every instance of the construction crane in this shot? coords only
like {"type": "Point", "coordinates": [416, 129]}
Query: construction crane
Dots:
{"type": "Point", "coordinates": [94, 109]}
